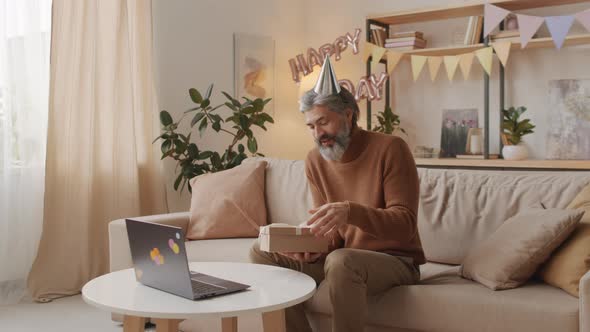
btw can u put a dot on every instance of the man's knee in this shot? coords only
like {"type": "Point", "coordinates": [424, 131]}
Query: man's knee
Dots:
{"type": "Point", "coordinates": [260, 257]}
{"type": "Point", "coordinates": [341, 264]}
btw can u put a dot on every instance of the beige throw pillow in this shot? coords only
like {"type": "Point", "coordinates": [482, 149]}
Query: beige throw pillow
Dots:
{"type": "Point", "coordinates": [228, 204]}
{"type": "Point", "coordinates": [568, 264]}
{"type": "Point", "coordinates": [512, 254]}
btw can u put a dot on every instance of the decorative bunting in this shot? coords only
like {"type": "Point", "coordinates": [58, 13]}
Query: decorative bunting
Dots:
{"type": "Point", "coordinates": [528, 26]}
{"type": "Point", "coordinates": [418, 62]}
{"type": "Point", "coordinates": [485, 57]}
{"type": "Point", "coordinates": [368, 51]}
{"type": "Point", "coordinates": [493, 15]}
{"type": "Point", "coordinates": [584, 19]}
{"type": "Point", "coordinates": [377, 54]}
{"type": "Point", "coordinates": [393, 59]}
{"type": "Point", "coordinates": [465, 62]}
{"type": "Point", "coordinates": [559, 26]}
{"type": "Point", "coordinates": [503, 51]}
{"type": "Point", "coordinates": [451, 63]}
{"type": "Point", "coordinates": [434, 63]}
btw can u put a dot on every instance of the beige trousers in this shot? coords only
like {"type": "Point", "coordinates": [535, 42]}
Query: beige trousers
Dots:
{"type": "Point", "coordinates": [351, 275]}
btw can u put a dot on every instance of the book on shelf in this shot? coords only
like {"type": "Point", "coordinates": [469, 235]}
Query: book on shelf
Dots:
{"type": "Point", "coordinates": [405, 48]}
{"type": "Point", "coordinates": [403, 34]}
{"type": "Point", "coordinates": [476, 156]}
{"type": "Point", "coordinates": [378, 35]}
{"type": "Point", "coordinates": [420, 44]}
{"type": "Point", "coordinates": [395, 40]}
{"type": "Point", "coordinates": [474, 30]}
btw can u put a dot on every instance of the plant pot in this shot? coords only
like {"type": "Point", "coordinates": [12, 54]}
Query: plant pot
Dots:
{"type": "Point", "coordinates": [515, 152]}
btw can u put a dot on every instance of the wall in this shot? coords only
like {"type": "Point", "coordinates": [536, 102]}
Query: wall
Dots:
{"type": "Point", "coordinates": [193, 47]}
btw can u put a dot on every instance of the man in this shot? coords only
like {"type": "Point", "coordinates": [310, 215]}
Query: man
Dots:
{"type": "Point", "coordinates": [365, 196]}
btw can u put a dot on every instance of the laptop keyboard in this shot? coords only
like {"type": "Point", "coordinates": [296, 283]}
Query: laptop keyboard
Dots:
{"type": "Point", "coordinates": [200, 287]}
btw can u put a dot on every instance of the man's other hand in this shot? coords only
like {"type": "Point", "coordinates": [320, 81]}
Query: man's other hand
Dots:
{"type": "Point", "coordinates": [328, 218]}
{"type": "Point", "coordinates": [304, 257]}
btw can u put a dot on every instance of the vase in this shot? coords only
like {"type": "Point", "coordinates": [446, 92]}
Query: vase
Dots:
{"type": "Point", "coordinates": [515, 152]}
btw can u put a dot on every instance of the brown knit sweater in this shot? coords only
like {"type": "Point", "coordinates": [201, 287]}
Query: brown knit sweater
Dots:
{"type": "Point", "coordinates": [378, 179]}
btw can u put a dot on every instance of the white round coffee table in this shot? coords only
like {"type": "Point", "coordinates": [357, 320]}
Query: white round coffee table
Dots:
{"type": "Point", "coordinates": [272, 290]}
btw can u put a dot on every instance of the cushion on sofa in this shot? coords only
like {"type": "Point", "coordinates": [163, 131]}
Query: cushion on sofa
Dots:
{"type": "Point", "coordinates": [219, 250]}
{"type": "Point", "coordinates": [461, 208]}
{"type": "Point", "coordinates": [512, 254]}
{"type": "Point", "coordinates": [445, 302]}
{"type": "Point", "coordinates": [228, 204]}
{"type": "Point", "coordinates": [571, 260]}
{"type": "Point", "coordinates": [288, 198]}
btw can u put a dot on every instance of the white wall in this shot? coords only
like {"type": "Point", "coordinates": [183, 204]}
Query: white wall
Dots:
{"type": "Point", "coordinates": [193, 47]}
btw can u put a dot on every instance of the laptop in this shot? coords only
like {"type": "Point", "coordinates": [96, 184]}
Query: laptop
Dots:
{"type": "Point", "coordinates": [160, 261]}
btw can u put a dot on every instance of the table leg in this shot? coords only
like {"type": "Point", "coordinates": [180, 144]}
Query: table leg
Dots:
{"type": "Point", "coordinates": [274, 321]}
{"type": "Point", "coordinates": [167, 325]}
{"type": "Point", "coordinates": [229, 324]}
{"type": "Point", "coordinates": [134, 324]}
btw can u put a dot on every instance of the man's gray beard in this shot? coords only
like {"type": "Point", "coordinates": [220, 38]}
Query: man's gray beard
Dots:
{"type": "Point", "coordinates": [341, 142]}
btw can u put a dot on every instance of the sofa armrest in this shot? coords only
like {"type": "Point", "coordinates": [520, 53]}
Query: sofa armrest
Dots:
{"type": "Point", "coordinates": [119, 252]}
{"type": "Point", "coordinates": [585, 303]}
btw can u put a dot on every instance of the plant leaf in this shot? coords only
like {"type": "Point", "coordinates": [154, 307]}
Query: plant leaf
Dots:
{"type": "Point", "coordinates": [205, 155]}
{"type": "Point", "coordinates": [252, 144]}
{"type": "Point", "coordinates": [216, 126]}
{"type": "Point", "coordinates": [208, 92]}
{"type": "Point", "coordinates": [177, 182]}
{"type": "Point", "coordinates": [197, 118]}
{"type": "Point", "coordinates": [195, 95]}
{"type": "Point", "coordinates": [165, 118]}
{"type": "Point", "coordinates": [202, 127]}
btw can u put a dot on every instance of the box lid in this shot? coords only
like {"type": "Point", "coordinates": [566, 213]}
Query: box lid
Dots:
{"type": "Point", "coordinates": [285, 229]}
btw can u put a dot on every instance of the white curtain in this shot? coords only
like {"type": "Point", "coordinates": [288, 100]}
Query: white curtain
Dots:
{"type": "Point", "coordinates": [24, 87]}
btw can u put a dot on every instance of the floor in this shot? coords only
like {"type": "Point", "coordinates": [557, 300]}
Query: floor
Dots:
{"type": "Point", "coordinates": [73, 314]}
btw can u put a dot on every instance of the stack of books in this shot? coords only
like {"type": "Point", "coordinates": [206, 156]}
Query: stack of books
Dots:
{"type": "Point", "coordinates": [378, 35]}
{"type": "Point", "coordinates": [507, 35]}
{"type": "Point", "coordinates": [474, 30]}
{"type": "Point", "coordinates": [404, 41]}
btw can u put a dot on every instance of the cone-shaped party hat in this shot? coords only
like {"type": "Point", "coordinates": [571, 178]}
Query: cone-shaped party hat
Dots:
{"type": "Point", "coordinates": [327, 83]}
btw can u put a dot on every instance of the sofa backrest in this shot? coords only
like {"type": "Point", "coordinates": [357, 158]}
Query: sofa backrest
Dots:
{"type": "Point", "coordinates": [288, 197]}
{"type": "Point", "coordinates": [460, 208]}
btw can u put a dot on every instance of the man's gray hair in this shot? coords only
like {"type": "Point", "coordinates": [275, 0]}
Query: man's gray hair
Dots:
{"type": "Point", "coordinates": [336, 103]}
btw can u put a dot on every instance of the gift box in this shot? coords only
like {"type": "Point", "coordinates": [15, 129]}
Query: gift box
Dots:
{"type": "Point", "coordinates": [289, 238]}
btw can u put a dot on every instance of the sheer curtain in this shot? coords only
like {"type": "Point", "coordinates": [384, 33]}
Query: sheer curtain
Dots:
{"type": "Point", "coordinates": [24, 87]}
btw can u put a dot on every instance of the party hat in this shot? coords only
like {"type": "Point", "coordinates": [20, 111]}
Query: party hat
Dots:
{"type": "Point", "coordinates": [327, 83]}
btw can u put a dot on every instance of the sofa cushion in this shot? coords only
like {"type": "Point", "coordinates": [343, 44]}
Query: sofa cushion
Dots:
{"type": "Point", "coordinates": [443, 301]}
{"type": "Point", "coordinates": [219, 250]}
{"type": "Point", "coordinates": [288, 198]}
{"type": "Point", "coordinates": [510, 256]}
{"type": "Point", "coordinates": [228, 204]}
{"type": "Point", "coordinates": [460, 208]}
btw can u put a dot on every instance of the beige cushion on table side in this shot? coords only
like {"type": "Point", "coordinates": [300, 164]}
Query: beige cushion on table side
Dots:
{"type": "Point", "coordinates": [510, 256]}
{"type": "Point", "coordinates": [228, 204]}
{"type": "Point", "coordinates": [571, 260]}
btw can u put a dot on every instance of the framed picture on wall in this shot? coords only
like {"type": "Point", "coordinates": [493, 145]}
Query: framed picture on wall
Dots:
{"type": "Point", "coordinates": [254, 62]}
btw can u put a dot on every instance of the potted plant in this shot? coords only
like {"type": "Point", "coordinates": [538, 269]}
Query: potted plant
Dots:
{"type": "Point", "coordinates": [194, 161]}
{"type": "Point", "coordinates": [389, 122]}
{"type": "Point", "coordinates": [513, 129]}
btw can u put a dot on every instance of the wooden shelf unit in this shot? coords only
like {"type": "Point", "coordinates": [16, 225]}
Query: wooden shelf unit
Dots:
{"type": "Point", "coordinates": [578, 165]}
{"type": "Point", "coordinates": [472, 8]}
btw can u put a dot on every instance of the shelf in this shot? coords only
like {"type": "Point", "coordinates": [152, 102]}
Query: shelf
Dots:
{"type": "Point", "coordinates": [471, 8]}
{"type": "Point", "coordinates": [548, 42]}
{"type": "Point", "coordinates": [440, 51]}
{"type": "Point", "coordinates": [501, 163]}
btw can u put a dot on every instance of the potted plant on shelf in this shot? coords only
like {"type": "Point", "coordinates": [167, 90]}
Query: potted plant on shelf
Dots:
{"type": "Point", "coordinates": [513, 129]}
{"type": "Point", "coordinates": [389, 122]}
{"type": "Point", "coordinates": [194, 161]}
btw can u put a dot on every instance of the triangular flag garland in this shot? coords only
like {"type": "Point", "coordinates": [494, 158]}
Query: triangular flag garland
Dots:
{"type": "Point", "coordinates": [559, 26]}
{"type": "Point", "coordinates": [451, 63]}
{"type": "Point", "coordinates": [434, 63]}
{"type": "Point", "coordinates": [528, 26]}
{"type": "Point", "coordinates": [584, 19]}
{"type": "Point", "coordinates": [493, 15]}
{"type": "Point", "coordinates": [418, 62]}
{"type": "Point", "coordinates": [465, 62]}
{"type": "Point", "coordinates": [502, 51]}
{"type": "Point", "coordinates": [368, 51]}
{"type": "Point", "coordinates": [485, 57]}
{"type": "Point", "coordinates": [393, 59]}
{"type": "Point", "coordinates": [377, 54]}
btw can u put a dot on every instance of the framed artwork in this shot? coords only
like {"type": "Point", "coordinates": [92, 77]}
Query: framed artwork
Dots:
{"type": "Point", "coordinates": [455, 128]}
{"type": "Point", "coordinates": [569, 119]}
{"type": "Point", "coordinates": [254, 62]}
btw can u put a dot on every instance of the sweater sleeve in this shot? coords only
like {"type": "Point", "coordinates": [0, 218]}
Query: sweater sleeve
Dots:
{"type": "Point", "coordinates": [318, 200]}
{"type": "Point", "coordinates": [398, 220]}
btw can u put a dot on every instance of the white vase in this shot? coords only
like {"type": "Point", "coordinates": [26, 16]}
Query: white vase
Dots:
{"type": "Point", "coordinates": [515, 152]}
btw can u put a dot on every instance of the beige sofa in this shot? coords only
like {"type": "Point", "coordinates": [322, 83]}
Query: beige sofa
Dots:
{"type": "Point", "coordinates": [458, 208]}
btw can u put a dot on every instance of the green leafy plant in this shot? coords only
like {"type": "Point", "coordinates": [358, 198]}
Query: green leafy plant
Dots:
{"type": "Point", "coordinates": [513, 128]}
{"type": "Point", "coordinates": [193, 161]}
{"type": "Point", "coordinates": [389, 122]}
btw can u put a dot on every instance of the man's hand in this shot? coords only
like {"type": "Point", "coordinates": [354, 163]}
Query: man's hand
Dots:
{"type": "Point", "coordinates": [304, 257]}
{"type": "Point", "coordinates": [328, 218]}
